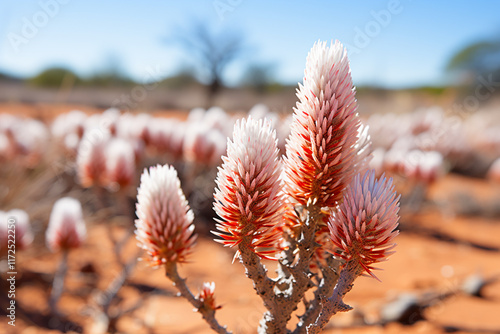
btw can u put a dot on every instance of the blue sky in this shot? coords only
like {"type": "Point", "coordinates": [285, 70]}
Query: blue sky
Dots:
{"type": "Point", "coordinates": [409, 44]}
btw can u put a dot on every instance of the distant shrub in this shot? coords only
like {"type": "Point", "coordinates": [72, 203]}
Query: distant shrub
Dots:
{"type": "Point", "coordinates": [54, 77]}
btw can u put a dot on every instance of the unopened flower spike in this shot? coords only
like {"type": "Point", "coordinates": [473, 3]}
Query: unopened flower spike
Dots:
{"type": "Point", "coordinates": [207, 297]}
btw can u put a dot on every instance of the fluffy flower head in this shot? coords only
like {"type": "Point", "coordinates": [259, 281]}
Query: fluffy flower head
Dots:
{"type": "Point", "coordinates": [423, 166]}
{"type": "Point", "coordinates": [66, 226]}
{"type": "Point", "coordinates": [204, 145]}
{"type": "Point", "coordinates": [90, 160]}
{"type": "Point", "coordinates": [23, 234]}
{"type": "Point", "coordinates": [324, 147]}
{"type": "Point", "coordinates": [248, 198]}
{"type": "Point", "coordinates": [120, 163]}
{"type": "Point", "coordinates": [365, 223]}
{"type": "Point", "coordinates": [164, 227]}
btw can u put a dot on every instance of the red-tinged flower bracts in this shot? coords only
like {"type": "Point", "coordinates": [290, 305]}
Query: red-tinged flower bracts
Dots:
{"type": "Point", "coordinates": [365, 223]}
{"type": "Point", "coordinates": [248, 199]}
{"type": "Point", "coordinates": [322, 150]}
{"type": "Point", "coordinates": [204, 145]}
{"type": "Point", "coordinates": [66, 227]}
{"type": "Point", "coordinates": [91, 160]}
{"type": "Point", "coordinates": [164, 226]}
{"type": "Point", "coordinates": [423, 166]}
{"type": "Point", "coordinates": [19, 220]}
{"type": "Point", "coordinates": [120, 163]}
{"type": "Point", "coordinates": [206, 296]}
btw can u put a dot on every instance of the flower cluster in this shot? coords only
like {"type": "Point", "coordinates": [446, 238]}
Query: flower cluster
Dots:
{"type": "Point", "coordinates": [318, 200]}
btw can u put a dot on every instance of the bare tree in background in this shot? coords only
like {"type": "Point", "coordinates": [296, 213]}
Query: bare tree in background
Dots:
{"type": "Point", "coordinates": [212, 52]}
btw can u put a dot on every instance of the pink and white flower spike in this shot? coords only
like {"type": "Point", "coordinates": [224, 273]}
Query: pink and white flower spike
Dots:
{"type": "Point", "coordinates": [66, 228]}
{"type": "Point", "coordinates": [164, 227]}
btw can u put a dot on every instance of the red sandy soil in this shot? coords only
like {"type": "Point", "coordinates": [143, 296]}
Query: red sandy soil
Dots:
{"type": "Point", "coordinates": [420, 264]}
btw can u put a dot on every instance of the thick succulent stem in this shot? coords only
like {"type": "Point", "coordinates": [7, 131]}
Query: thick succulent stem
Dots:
{"type": "Point", "coordinates": [335, 303]}
{"type": "Point", "coordinates": [207, 313]}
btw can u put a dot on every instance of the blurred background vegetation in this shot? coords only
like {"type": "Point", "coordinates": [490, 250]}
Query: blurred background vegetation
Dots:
{"type": "Point", "coordinates": [204, 83]}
